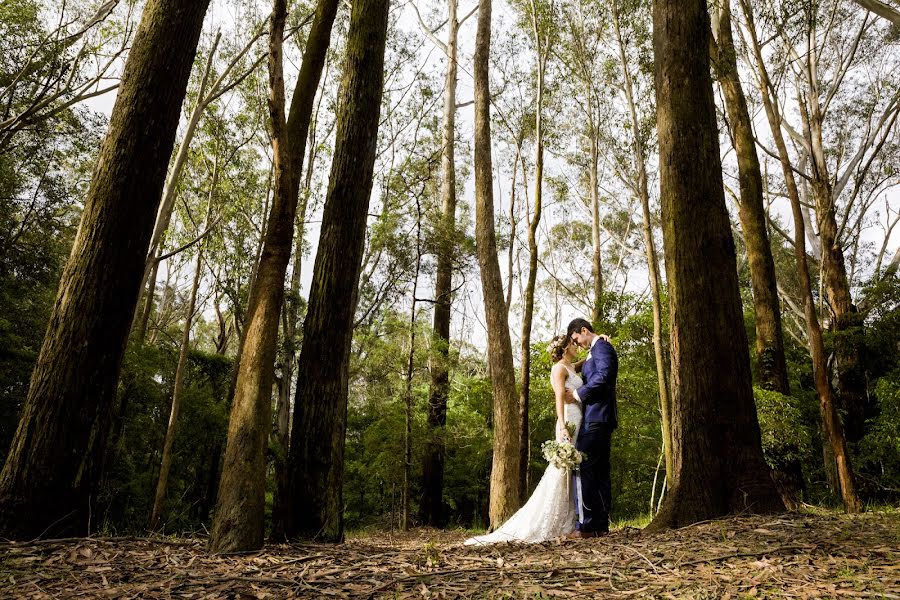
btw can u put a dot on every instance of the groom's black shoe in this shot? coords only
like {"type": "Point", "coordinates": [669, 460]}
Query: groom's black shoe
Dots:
{"type": "Point", "coordinates": [580, 535]}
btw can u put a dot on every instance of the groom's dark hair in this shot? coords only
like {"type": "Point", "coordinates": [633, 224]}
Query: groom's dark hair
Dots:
{"type": "Point", "coordinates": [577, 325]}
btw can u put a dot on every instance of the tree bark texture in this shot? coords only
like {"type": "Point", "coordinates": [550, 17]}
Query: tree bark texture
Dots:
{"type": "Point", "coordinates": [50, 476]}
{"type": "Point", "coordinates": [504, 493]}
{"type": "Point", "coordinates": [770, 361]}
{"type": "Point", "coordinates": [320, 404]}
{"type": "Point", "coordinates": [718, 462]}
{"type": "Point", "coordinates": [432, 508]}
{"type": "Point", "coordinates": [832, 430]}
{"type": "Point", "coordinates": [240, 509]}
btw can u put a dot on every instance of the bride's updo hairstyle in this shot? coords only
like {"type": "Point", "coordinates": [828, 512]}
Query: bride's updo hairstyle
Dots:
{"type": "Point", "coordinates": [557, 347]}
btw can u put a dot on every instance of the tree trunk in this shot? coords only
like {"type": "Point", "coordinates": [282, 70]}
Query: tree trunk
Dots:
{"type": "Point", "coordinates": [770, 361]}
{"type": "Point", "coordinates": [149, 295]}
{"type": "Point", "coordinates": [505, 467]}
{"type": "Point", "coordinates": [432, 509]}
{"type": "Point", "coordinates": [665, 402]}
{"type": "Point", "coordinates": [597, 312]}
{"type": "Point", "coordinates": [320, 404]}
{"type": "Point", "coordinates": [718, 462]}
{"type": "Point", "coordinates": [405, 520]}
{"type": "Point", "coordinates": [54, 463]}
{"type": "Point", "coordinates": [542, 47]}
{"type": "Point", "coordinates": [291, 309]}
{"type": "Point", "coordinates": [832, 430]}
{"type": "Point", "coordinates": [240, 508]}
{"type": "Point", "coordinates": [771, 367]}
{"type": "Point", "coordinates": [165, 465]}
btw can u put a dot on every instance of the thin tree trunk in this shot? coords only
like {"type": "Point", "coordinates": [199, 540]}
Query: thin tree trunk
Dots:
{"type": "Point", "coordinates": [165, 465]}
{"type": "Point", "coordinates": [408, 394]}
{"type": "Point", "coordinates": [433, 463]}
{"type": "Point", "coordinates": [240, 509]}
{"type": "Point", "coordinates": [833, 431]}
{"type": "Point", "coordinates": [291, 309]}
{"type": "Point", "coordinates": [54, 463]}
{"type": "Point", "coordinates": [320, 404]}
{"type": "Point", "coordinates": [718, 462]}
{"type": "Point", "coordinates": [771, 367]}
{"type": "Point", "coordinates": [665, 403]}
{"type": "Point", "coordinates": [505, 467]}
{"type": "Point", "coordinates": [149, 295]}
{"type": "Point", "coordinates": [542, 47]}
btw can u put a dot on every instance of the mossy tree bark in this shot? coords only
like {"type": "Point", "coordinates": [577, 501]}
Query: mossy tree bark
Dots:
{"type": "Point", "coordinates": [51, 473]}
{"type": "Point", "coordinates": [320, 403]}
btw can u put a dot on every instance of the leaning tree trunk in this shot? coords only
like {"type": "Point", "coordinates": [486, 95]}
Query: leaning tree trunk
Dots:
{"type": "Point", "coordinates": [640, 166]}
{"type": "Point", "coordinates": [505, 468]}
{"type": "Point", "coordinates": [240, 508]}
{"type": "Point", "coordinates": [718, 462]}
{"type": "Point", "coordinates": [432, 508]}
{"type": "Point", "coordinates": [771, 365]}
{"type": "Point", "coordinates": [832, 429]}
{"type": "Point", "coordinates": [320, 404]}
{"type": "Point", "coordinates": [53, 466]}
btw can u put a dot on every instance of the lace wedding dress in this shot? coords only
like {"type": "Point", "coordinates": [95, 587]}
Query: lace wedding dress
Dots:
{"type": "Point", "coordinates": [550, 511]}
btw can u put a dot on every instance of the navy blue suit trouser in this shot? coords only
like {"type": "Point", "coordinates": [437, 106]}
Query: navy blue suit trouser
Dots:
{"type": "Point", "coordinates": [596, 487]}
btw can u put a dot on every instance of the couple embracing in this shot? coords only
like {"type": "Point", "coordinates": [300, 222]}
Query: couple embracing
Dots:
{"type": "Point", "coordinates": [567, 503]}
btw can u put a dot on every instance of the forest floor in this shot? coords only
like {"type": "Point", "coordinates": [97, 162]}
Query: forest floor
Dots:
{"type": "Point", "coordinates": [794, 555]}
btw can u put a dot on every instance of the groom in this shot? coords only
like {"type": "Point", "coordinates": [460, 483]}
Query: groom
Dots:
{"type": "Point", "coordinates": [598, 397]}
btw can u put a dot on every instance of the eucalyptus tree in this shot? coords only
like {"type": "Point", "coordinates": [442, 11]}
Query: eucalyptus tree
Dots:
{"type": "Point", "coordinates": [56, 457]}
{"type": "Point", "coordinates": [433, 470]}
{"type": "Point", "coordinates": [832, 70]}
{"type": "Point", "coordinates": [718, 462]}
{"type": "Point", "coordinates": [240, 509]}
{"type": "Point", "coordinates": [45, 71]}
{"type": "Point", "coordinates": [833, 434]}
{"type": "Point", "coordinates": [320, 403]}
{"type": "Point", "coordinates": [505, 466]}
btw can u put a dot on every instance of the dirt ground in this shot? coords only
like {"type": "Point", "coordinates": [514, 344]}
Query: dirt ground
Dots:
{"type": "Point", "coordinates": [793, 555]}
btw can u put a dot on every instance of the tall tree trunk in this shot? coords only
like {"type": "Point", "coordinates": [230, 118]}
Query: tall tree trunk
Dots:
{"type": "Point", "coordinates": [542, 47]}
{"type": "Point", "coordinates": [320, 404]}
{"type": "Point", "coordinates": [405, 520]}
{"type": "Point", "coordinates": [290, 314]}
{"type": "Point", "coordinates": [771, 365]}
{"type": "Point", "coordinates": [846, 323]}
{"type": "Point", "coordinates": [718, 461]}
{"type": "Point", "coordinates": [51, 471]}
{"type": "Point", "coordinates": [433, 462]}
{"type": "Point", "coordinates": [165, 465]}
{"type": "Point", "coordinates": [831, 423]}
{"type": "Point", "coordinates": [597, 311]}
{"type": "Point", "coordinates": [505, 467]}
{"type": "Point", "coordinates": [640, 167]}
{"type": "Point", "coordinates": [240, 508]}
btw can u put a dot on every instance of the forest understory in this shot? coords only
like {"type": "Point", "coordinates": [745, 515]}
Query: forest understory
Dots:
{"type": "Point", "coordinates": [813, 554]}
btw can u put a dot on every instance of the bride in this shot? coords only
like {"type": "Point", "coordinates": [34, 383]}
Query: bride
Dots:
{"type": "Point", "coordinates": [550, 511]}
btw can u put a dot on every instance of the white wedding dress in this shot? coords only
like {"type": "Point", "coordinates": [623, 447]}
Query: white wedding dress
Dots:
{"type": "Point", "coordinates": [550, 511]}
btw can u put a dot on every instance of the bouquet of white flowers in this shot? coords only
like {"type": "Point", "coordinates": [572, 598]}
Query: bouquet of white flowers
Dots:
{"type": "Point", "coordinates": [562, 455]}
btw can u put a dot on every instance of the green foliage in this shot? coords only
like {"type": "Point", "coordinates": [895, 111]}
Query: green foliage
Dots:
{"type": "Point", "coordinates": [145, 401]}
{"type": "Point", "coordinates": [785, 431]}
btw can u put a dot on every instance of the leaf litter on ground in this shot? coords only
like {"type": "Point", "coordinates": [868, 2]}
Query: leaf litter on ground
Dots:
{"type": "Point", "coordinates": [791, 555]}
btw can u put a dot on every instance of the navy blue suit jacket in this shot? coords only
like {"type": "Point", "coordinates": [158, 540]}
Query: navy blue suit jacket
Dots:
{"type": "Point", "coordinates": [598, 394]}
